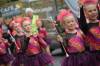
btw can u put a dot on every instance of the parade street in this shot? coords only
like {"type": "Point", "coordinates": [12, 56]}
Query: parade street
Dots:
{"type": "Point", "coordinates": [58, 57]}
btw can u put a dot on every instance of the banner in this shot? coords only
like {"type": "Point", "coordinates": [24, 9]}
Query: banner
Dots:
{"type": "Point", "coordinates": [9, 11]}
{"type": "Point", "coordinates": [74, 6]}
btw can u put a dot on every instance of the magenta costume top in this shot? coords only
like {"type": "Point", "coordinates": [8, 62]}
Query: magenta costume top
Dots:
{"type": "Point", "coordinates": [22, 42]}
{"type": "Point", "coordinates": [3, 47]}
{"type": "Point", "coordinates": [42, 32]}
{"type": "Point", "coordinates": [35, 46]}
{"type": "Point", "coordinates": [75, 42]}
{"type": "Point", "coordinates": [91, 31]}
{"type": "Point", "coordinates": [93, 36]}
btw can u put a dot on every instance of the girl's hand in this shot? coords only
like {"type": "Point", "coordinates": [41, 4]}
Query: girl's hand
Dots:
{"type": "Point", "coordinates": [5, 41]}
{"type": "Point", "coordinates": [59, 38]}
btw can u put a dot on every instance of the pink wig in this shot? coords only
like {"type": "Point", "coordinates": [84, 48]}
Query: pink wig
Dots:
{"type": "Point", "coordinates": [62, 14]}
{"type": "Point", "coordinates": [87, 2]}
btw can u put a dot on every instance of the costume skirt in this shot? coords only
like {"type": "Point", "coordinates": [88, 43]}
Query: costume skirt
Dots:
{"type": "Point", "coordinates": [78, 59]}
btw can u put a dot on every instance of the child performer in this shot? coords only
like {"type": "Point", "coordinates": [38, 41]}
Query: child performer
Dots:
{"type": "Point", "coordinates": [20, 46]}
{"type": "Point", "coordinates": [36, 56]}
{"type": "Point", "coordinates": [43, 32]}
{"type": "Point", "coordinates": [75, 45]}
{"type": "Point", "coordinates": [92, 29]}
{"type": "Point", "coordinates": [5, 57]}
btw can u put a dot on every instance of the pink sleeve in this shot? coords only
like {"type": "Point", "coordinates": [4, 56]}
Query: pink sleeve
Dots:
{"type": "Point", "coordinates": [44, 31]}
{"type": "Point", "coordinates": [42, 42]}
{"type": "Point", "coordinates": [7, 45]}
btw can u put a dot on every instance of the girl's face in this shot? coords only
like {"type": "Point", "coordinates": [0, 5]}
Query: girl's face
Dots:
{"type": "Point", "coordinates": [7, 21]}
{"type": "Point", "coordinates": [29, 14]}
{"type": "Point", "coordinates": [39, 24]}
{"type": "Point", "coordinates": [91, 12]}
{"type": "Point", "coordinates": [17, 27]}
{"type": "Point", "coordinates": [69, 22]}
{"type": "Point", "coordinates": [27, 26]}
